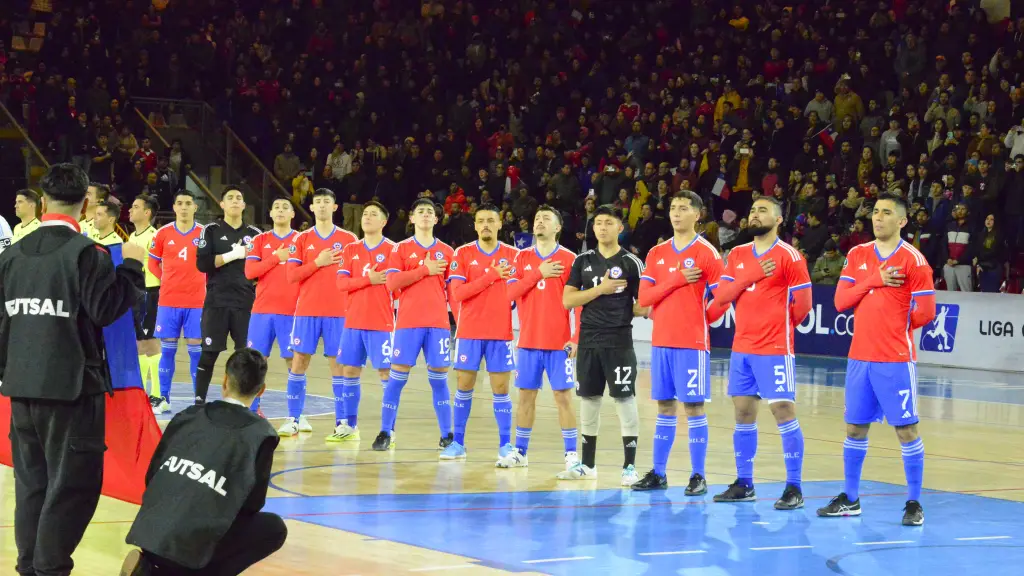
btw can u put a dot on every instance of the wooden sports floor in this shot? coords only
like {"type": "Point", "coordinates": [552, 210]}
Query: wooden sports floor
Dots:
{"type": "Point", "coordinates": [360, 512]}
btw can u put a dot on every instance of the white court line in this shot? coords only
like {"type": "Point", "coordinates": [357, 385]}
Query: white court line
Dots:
{"type": "Point", "coordinates": [761, 523]}
{"type": "Point", "coordinates": [781, 548]}
{"type": "Point", "coordinates": [452, 567]}
{"type": "Point", "coordinates": [672, 553]}
{"type": "Point", "coordinates": [972, 538]}
{"type": "Point", "coordinates": [883, 542]}
{"type": "Point", "coordinates": [542, 560]}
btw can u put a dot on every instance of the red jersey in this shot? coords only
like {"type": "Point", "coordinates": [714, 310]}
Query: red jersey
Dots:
{"type": "Point", "coordinates": [424, 303]}
{"type": "Point", "coordinates": [369, 306]}
{"type": "Point", "coordinates": [543, 321]}
{"type": "Point", "coordinates": [318, 295]}
{"type": "Point", "coordinates": [883, 315]}
{"type": "Point", "coordinates": [173, 258]}
{"type": "Point", "coordinates": [487, 314]}
{"type": "Point", "coordinates": [680, 318]}
{"type": "Point", "coordinates": [274, 293]}
{"type": "Point", "coordinates": [763, 311]}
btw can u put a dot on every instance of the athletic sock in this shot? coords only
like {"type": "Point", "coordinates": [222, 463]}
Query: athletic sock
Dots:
{"type": "Point", "coordinates": [523, 439]}
{"type": "Point", "coordinates": [664, 436]}
{"type": "Point", "coordinates": [296, 394]}
{"type": "Point", "coordinates": [589, 451]}
{"type": "Point", "coordinates": [384, 387]}
{"type": "Point", "coordinates": [461, 407]}
{"type": "Point", "coordinates": [392, 395]}
{"type": "Point", "coordinates": [194, 351]}
{"type": "Point", "coordinates": [698, 431]}
{"type": "Point", "coordinates": [913, 467]}
{"type": "Point", "coordinates": [353, 391]}
{"type": "Point", "coordinates": [503, 416]}
{"type": "Point", "coordinates": [744, 442]}
{"type": "Point", "coordinates": [792, 450]}
{"type": "Point", "coordinates": [204, 373]}
{"type": "Point", "coordinates": [629, 450]}
{"type": "Point", "coordinates": [168, 351]}
{"type": "Point", "coordinates": [854, 452]}
{"type": "Point", "coordinates": [569, 436]}
{"type": "Point", "coordinates": [255, 405]}
{"type": "Point", "coordinates": [442, 400]}
{"type": "Point", "coordinates": [144, 371]}
{"type": "Point", "coordinates": [153, 372]}
{"type": "Point", "coordinates": [338, 389]}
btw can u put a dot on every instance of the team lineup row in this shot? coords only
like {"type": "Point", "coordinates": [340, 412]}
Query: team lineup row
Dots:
{"type": "Point", "coordinates": [575, 316]}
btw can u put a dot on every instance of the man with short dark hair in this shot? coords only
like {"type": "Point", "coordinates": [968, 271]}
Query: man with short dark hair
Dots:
{"type": "Point", "coordinates": [26, 206]}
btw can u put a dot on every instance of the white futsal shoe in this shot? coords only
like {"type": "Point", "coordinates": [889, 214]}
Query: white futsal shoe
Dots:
{"type": "Point", "coordinates": [304, 425]}
{"type": "Point", "coordinates": [629, 476]}
{"type": "Point", "coordinates": [576, 470]}
{"type": "Point", "coordinates": [289, 428]}
{"type": "Point", "coordinates": [514, 459]}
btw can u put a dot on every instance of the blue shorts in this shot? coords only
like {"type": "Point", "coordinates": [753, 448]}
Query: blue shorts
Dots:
{"type": "Point", "coordinates": [680, 374]}
{"type": "Point", "coordinates": [874, 389]}
{"type": "Point", "coordinates": [265, 328]}
{"type": "Point", "coordinates": [307, 331]}
{"type": "Point", "coordinates": [770, 377]}
{"type": "Point", "coordinates": [434, 342]}
{"type": "Point", "coordinates": [496, 354]}
{"type": "Point", "coordinates": [357, 345]}
{"type": "Point", "coordinates": [532, 364]}
{"type": "Point", "coordinates": [175, 322]}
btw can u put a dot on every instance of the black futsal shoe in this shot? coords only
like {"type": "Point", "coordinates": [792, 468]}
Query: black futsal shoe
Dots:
{"type": "Point", "coordinates": [737, 492]}
{"type": "Point", "coordinates": [651, 481]}
{"type": "Point", "coordinates": [792, 498]}
{"type": "Point", "coordinates": [913, 514]}
{"type": "Point", "coordinates": [445, 441]}
{"type": "Point", "coordinates": [383, 442]}
{"type": "Point", "coordinates": [840, 506]}
{"type": "Point", "coordinates": [698, 486]}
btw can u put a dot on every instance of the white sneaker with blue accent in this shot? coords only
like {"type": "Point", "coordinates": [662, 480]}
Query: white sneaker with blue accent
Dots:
{"type": "Point", "coordinates": [514, 459]}
{"type": "Point", "coordinates": [505, 450]}
{"type": "Point", "coordinates": [454, 451]}
{"type": "Point", "coordinates": [629, 476]}
{"type": "Point", "coordinates": [578, 471]}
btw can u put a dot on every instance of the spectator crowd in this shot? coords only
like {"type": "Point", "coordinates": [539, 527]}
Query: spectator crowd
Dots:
{"type": "Point", "coordinates": [576, 104]}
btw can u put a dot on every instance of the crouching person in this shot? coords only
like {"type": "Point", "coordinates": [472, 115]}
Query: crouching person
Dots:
{"type": "Point", "coordinates": [207, 483]}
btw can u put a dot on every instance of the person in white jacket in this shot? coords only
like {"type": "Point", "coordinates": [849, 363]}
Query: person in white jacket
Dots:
{"type": "Point", "coordinates": [1014, 140]}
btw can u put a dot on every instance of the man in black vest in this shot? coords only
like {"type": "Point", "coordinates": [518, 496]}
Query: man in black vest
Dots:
{"type": "Point", "coordinates": [207, 483]}
{"type": "Point", "coordinates": [59, 290]}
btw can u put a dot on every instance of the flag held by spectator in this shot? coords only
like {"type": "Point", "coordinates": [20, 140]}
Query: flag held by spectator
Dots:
{"type": "Point", "coordinates": [721, 188]}
{"type": "Point", "coordinates": [827, 136]}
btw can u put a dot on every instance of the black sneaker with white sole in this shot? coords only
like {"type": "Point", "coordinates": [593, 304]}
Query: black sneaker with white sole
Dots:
{"type": "Point", "coordinates": [840, 506]}
{"type": "Point", "coordinates": [698, 486]}
{"type": "Point", "coordinates": [651, 481]}
{"type": "Point", "coordinates": [737, 492]}
{"type": "Point", "coordinates": [445, 441]}
{"type": "Point", "coordinates": [913, 514]}
{"type": "Point", "coordinates": [791, 499]}
{"type": "Point", "coordinates": [382, 442]}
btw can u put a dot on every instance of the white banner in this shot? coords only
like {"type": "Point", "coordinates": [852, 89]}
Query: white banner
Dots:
{"type": "Point", "coordinates": [974, 330]}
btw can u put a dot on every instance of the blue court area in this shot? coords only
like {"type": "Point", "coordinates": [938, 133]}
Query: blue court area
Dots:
{"type": "Point", "coordinates": [274, 403]}
{"type": "Point", "coordinates": [621, 532]}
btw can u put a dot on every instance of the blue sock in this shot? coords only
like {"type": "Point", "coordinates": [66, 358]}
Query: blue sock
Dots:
{"type": "Point", "coordinates": [792, 450]}
{"type": "Point", "coordinates": [194, 350]}
{"type": "Point", "coordinates": [462, 406]}
{"type": "Point", "coordinates": [664, 436]}
{"type": "Point", "coordinates": [338, 389]}
{"type": "Point", "coordinates": [744, 443]}
{"type": "Point", "coordinates": [384, 386]}
{"type": "Point", "coordinates": [392, 395]}
{"type": "Point", "coordinates": [296, 394]}
{"type": "Point", "coordinates": [442, 400]}
{"type": "Point", "coordinates": [569, 436]}
{"type": "Point", "coordinates": [523, 439]}
{"type": "Point", "coordinates": [255, 405]}
{"type": "Point", "coordinates": [352, 393]}
{"type": "Point", "coordinates": [503, 415]}
{"type": "Point", "coordinates": [854, 452]}
{"type": "Point", "coordinates": [698, 430]}
{"type": "Point", "coordinates": [168, 350]}
{"type": "Point", "coordinates": [913, 467]}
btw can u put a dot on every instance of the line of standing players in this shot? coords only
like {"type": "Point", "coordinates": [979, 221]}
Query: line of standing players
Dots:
{"type": "Point", "coordinates": [575, 316]}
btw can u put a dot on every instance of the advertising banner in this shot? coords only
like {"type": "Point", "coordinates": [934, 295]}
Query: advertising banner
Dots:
{"type": "Point", "coordinates": [974, 330]}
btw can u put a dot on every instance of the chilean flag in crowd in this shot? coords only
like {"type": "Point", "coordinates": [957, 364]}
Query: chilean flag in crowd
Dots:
{"type": "Point", "coordinates": [132, 433]}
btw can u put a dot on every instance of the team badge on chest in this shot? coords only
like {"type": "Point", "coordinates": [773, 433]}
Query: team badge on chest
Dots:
{"type": "Point", "coordinates": [615, 272]}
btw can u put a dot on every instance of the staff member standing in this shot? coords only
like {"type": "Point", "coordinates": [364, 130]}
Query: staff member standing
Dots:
{"type": "Point", "coordinates": [59, 290]}
{"type": "Point", "coordinates": [229, 294]}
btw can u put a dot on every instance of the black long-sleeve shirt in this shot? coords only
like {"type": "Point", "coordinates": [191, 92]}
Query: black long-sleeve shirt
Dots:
{"type": "Point", "coordinates": [227, 286]}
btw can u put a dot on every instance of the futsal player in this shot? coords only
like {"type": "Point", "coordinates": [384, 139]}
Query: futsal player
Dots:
{"type": "Point", "coordinates": [320, 308]}
{"type": "Point", "coordinates": [769, 282]}
{"type": "Point", "coordinates": [370, 320]}
{"type": "Point", "coordinates": [229, 294]}
{"type": "Point", "coordinates": [416, 276]}
{"type": "Point", "coordinates": [546, 341]}
{"type": "Point", "coordinates": [606, 282]}
{"type": "Point", "coordinates": [680, 273]}
{"type": "Point", "coordinates": [104, 217]}
{"type": "Point", "coordinates": [26, 208]}
{"type": "Point", "coordinates": [141, 214]}
{"type": "Point", "coordinates": [888, 283]}
{"type": "Point", "coordinates": [94, 194]}
{"type": "Point", "coordinates": [273, 310]}
{"type": "Point", "coordinates": [483, 327]}
{"type": "Point", "coordinates": [172, 259]}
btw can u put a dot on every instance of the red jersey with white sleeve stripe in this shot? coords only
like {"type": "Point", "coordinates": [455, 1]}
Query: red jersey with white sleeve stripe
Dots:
{"type": "Point", "coordinates": [764, 311]}
{"type": "Point", "coordinates": [544, 322]}
{"type": "Point", "coordinates": [484, 311]}
{"type": "Point", "coordinates": [369, 305]}
{"type": "Point", "coordinates": [318, 294]}
{"type": "Point", "coordinates": [679, 308]}
{"type": "Point", "coordinates": [422, 299]}
{"type": "Point", "coordinates": [274, 293]}
{"type": "Point", "coordinates": [172, 258]}
{"type": "Point", "coordinates": [882, 318]}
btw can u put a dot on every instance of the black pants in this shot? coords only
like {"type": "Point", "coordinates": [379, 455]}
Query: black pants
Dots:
{"type": "Point", "coordinates": [58, 473]}
{"type": "Point", "coordinates": [250, 539]}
